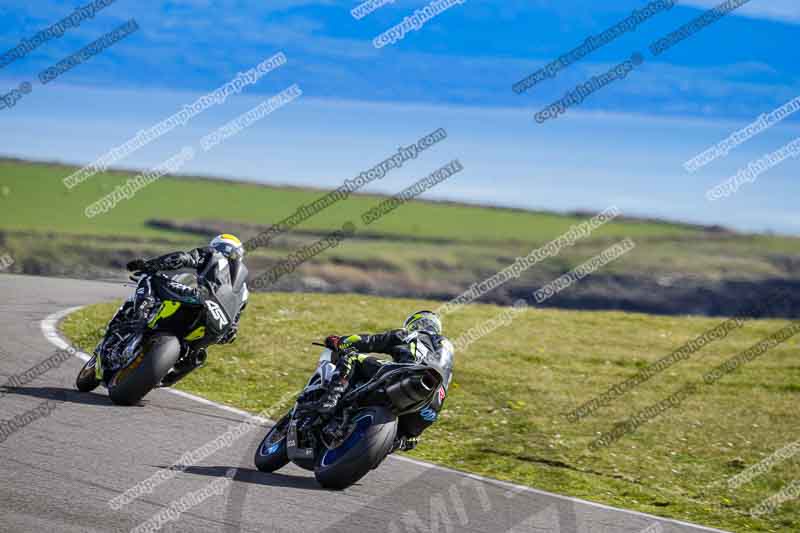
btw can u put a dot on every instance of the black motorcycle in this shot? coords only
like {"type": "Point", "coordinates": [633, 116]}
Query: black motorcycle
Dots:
{"type": "Point", "coordinates": [153, 341]}
{"type": "Point", "coordinates": [343, 446]}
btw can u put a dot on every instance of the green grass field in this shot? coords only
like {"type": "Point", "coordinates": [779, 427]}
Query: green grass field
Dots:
{"type": "Point", "coordinates": [41, 202]}
{"type": "Point", "coordinates": [425, 249]}
{"type": "Point", "coordinates": [505, 414]}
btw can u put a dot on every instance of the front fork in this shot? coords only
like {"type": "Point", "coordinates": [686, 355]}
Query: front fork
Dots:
{"type": "Point", "coordinates": [98, 367]}
{"type": "Point", "coordinates": [139, 303]}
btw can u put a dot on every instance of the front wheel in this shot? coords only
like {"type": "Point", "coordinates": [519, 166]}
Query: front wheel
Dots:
{"type": "Point", "coordinates": [157, 355]}
{"type": "Point", "coordinates": [365, 448]}
{"type": "Point", "coordinates": [87, 379]}
{"type": "Point", "coordinates": [271, 453]}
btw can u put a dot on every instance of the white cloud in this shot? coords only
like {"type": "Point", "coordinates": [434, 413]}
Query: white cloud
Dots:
{"type": "Point", "coordinates": [783, 10]}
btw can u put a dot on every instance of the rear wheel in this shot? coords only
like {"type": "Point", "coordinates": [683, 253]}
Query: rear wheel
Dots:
{"type": "Point", "coordinates": [157, 355]}
{"type": "Point", "coordinates": [365, 448]}
{"type": "Point", "coordinates": [87, 380]}
{"type": "Point", "coordinates": [271, 453]}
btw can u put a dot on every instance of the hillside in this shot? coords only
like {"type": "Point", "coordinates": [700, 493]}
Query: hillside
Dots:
{"type": "Point", "coordinates": [422, 249]}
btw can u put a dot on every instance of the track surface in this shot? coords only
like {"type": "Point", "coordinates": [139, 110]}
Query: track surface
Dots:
{"type": "Point", "coordinates": [60, 471]}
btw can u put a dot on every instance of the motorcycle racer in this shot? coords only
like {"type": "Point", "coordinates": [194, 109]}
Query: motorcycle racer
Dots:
{"type": "Point", "coordinates": [217, 268]}
{"type": "Point", "coordinates": [420, 335]}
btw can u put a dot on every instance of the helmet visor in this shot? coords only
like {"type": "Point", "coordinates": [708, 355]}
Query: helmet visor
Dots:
{"type": "Point", "coordinates": [229, 250]}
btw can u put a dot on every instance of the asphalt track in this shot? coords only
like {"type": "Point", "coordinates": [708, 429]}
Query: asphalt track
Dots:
{"type": "Point", "coordinates": [61, 468]}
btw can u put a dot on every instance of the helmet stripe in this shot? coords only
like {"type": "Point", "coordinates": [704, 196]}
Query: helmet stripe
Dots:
{"type": "Point", "coordinates": [230, 237]}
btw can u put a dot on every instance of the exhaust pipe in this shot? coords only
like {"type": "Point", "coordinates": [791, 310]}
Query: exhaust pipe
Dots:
{"type": "Point", "coordinates": [411, 390]}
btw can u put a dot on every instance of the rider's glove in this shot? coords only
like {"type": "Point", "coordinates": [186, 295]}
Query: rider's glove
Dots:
{"type": "Point", "coordinates": [336, 343]}
{"type": "Point", "coordinates": [230, 335]}
{"type": "Point", "coordinates": [332, 342]}
{"type": "Point", "coordinates": [347, 343]}
{"type": "Point", "coordinates": [137, 265]}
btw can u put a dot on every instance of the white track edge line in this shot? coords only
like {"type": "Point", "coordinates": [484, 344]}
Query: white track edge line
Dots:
{"type": "Point", "coordinates": [49, 327]}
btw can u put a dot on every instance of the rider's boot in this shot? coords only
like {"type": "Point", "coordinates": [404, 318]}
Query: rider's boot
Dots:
{"type": "Point", "coordinates": [183, 367]}
{"type": "Point", "coordinates": [338, 384]}
{"type": "Point", "coordinates": [404, 444]}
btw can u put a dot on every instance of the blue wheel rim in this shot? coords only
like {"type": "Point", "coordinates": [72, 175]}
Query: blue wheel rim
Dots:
{"type": "Point", "coordinates": [362, 425]}
{"type": "Point", "coordinates": [270, 448]}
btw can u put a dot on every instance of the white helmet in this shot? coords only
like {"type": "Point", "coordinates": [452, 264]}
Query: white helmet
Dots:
{"type": "Point", "coordinates": [228, 245]}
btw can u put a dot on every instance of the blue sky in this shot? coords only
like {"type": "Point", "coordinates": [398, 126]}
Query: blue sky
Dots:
{"type": "Point", "coordinates": [624, 145]}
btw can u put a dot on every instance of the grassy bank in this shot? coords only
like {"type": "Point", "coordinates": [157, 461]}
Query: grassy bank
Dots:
{"type": "Point", "coordinates": [35, 188]}
{"type": "Point", "coordinates": [422, 249]}
{"type": "Point", "coordinates": [504, 416]}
